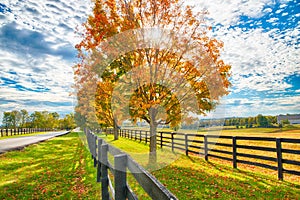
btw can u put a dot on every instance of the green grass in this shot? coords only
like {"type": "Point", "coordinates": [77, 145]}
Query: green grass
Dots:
{"type": "Point", "coordinates": [60, 168]}
{"type": "Point", "coordinates": [194, 178]}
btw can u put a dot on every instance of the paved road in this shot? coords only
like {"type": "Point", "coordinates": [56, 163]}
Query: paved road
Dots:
{"type": "Point", "coordinates": [11, 144]}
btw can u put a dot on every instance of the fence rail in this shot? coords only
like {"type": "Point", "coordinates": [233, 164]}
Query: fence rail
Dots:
{"type": "Point", "coordinates": [228, 148]}
{"type": "Point", "coordinates": [21, 131]}
{"type": "Point", "coordinates": [100, 151]}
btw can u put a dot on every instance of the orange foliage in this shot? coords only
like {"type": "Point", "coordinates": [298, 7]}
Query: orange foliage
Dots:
{"type": "Point", "coordinates": [185, 76]}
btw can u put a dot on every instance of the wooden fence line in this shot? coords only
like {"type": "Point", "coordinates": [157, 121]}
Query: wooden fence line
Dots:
{"type": "Point", "coordinates": [21, 131]}
{"type": "Point", "coordinates": [199, 144]}
{"type": "Point", "coordinates": [99, 150]}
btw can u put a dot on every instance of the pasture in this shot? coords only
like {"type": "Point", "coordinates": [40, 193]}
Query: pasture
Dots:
{"type": "Point", "coordinates": [194, 178]}
{"type": "Point", "coordinates": [261, 149]}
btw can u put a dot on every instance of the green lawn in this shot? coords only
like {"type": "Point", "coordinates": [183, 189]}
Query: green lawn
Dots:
{"type": "Point", "coordinates": [60, 168]}
{"type": "Point", "coordinates": [194, 178]}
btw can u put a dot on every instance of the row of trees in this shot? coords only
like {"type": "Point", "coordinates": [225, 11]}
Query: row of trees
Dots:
{"type": "Point", "coordinates": [37, 119]}
{"type": "Point", "coordinates": [249, 122]}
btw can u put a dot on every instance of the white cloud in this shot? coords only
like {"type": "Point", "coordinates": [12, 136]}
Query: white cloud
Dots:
{"type": "Point", "coordinates": [272, 20]}
{"type": "Point", "coordinates": [285, 14]}
{"type": "Point", "coordinates": [46, 76]}
{"type": "Point", "coordinates": [260, 60]}
{"type": "Point", "coordinates": [56, 18]}
{"type": "Point", "coordinates": [261, 105]}
{"type": "Point", "coordinates": [228, 12]}
{"type": "Point", "coordinates": [267, 10]}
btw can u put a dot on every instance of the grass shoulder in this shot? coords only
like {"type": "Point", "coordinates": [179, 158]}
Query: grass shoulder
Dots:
{"type": "Point", "coordinates": [60, 168]}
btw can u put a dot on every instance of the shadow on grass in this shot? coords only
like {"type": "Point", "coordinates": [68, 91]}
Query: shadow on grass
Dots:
{"type": "Point", "coordinates": [192, 178]}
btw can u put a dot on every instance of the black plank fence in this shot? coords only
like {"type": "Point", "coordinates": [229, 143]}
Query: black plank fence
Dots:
{"type": "Point", "coordinates": [21, 131]}
{"type": "Point", "coordinates": [123, 164]}
{"type": "Point", "coordinates": [280, 154]}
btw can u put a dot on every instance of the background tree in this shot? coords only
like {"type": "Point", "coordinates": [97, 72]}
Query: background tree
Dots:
{"type": "Point", "coordinates": [37, 119]}
{"type": "Point", "coordinates": [68, 122]}
{"type": "Point", "coordinates": [7, 121]}
{"type": "Point", "coordinates": [79, 119]}
{"type": "Point", "coordinates": [24, 118]}
{"type": "Point", "coordinates": [185, 70]}
{"type": "Point", "coordinates": [262, 121]}
{"type": "Point", "coordinates": [285, 122]}
{"type": "Point", "coordinates": [52, 120]}
{"type": "Point", "coordinates": [16, 118]}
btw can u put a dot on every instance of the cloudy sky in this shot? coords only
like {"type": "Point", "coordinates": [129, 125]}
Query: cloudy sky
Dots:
{"type": "Point", "coordinates": [261, 38]}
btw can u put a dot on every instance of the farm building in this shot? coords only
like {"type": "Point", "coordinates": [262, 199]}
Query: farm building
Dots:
{"type": "Point", "coordinates": [293, 119]}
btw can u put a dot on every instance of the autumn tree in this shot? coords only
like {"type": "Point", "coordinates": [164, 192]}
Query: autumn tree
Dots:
{"type": "Point", "coordinates": [148, 60]}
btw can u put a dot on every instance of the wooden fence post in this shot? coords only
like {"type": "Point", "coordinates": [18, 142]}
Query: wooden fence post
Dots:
{"type": "Point", "coordinates": [186, 144]}
{"type": "Point", "coordinates": [234, 160]}
{"type": "Point", "coordinates": [146, 137]}
{"type": "Point", "coordinates": [94, 138]}
{"type": "Point", "coordinates": [120, 176]}
{"type": "Point", "coordinates": [99, 160]}
{"type": "Point", "coordinates": [104, 173]}
{"type": "Point", "coordinates": [279, 158]}
{"type": "Point", "coordinates": [172, 141]}
{"type": "Point", "coordinates": [140, 136]}
{"type": "Point", "coordinates": [205, 148]}
{"type": "Point", "coordinates": [161, 140]}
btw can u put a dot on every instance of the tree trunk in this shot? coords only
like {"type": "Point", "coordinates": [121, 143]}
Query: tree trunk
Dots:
{"type": "Point", "coordinates": [153, 129]}
{"type": "Point", "coordinates": [116, 134]}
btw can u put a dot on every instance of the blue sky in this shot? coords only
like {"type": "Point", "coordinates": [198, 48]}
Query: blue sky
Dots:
{"type": "Point", "coordinates": [261, 42]}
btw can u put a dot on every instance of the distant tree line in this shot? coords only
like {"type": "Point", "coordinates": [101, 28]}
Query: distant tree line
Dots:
{"type": "Point", "coordinates": [37, 119]}
{"type": "Point", "coordinates": [260, 121]}
{"type": "Point", "coordinates": [249, 122]}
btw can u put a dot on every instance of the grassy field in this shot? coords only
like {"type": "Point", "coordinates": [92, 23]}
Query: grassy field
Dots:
{"type": "Point", "coordinates": [291, 131]}
{"type": "Point", "coordinates": [194, 178]}
{"type": "Point", "coordinates": [60, 168]}
{"type": "Point", "coordinates": [286, 132]}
